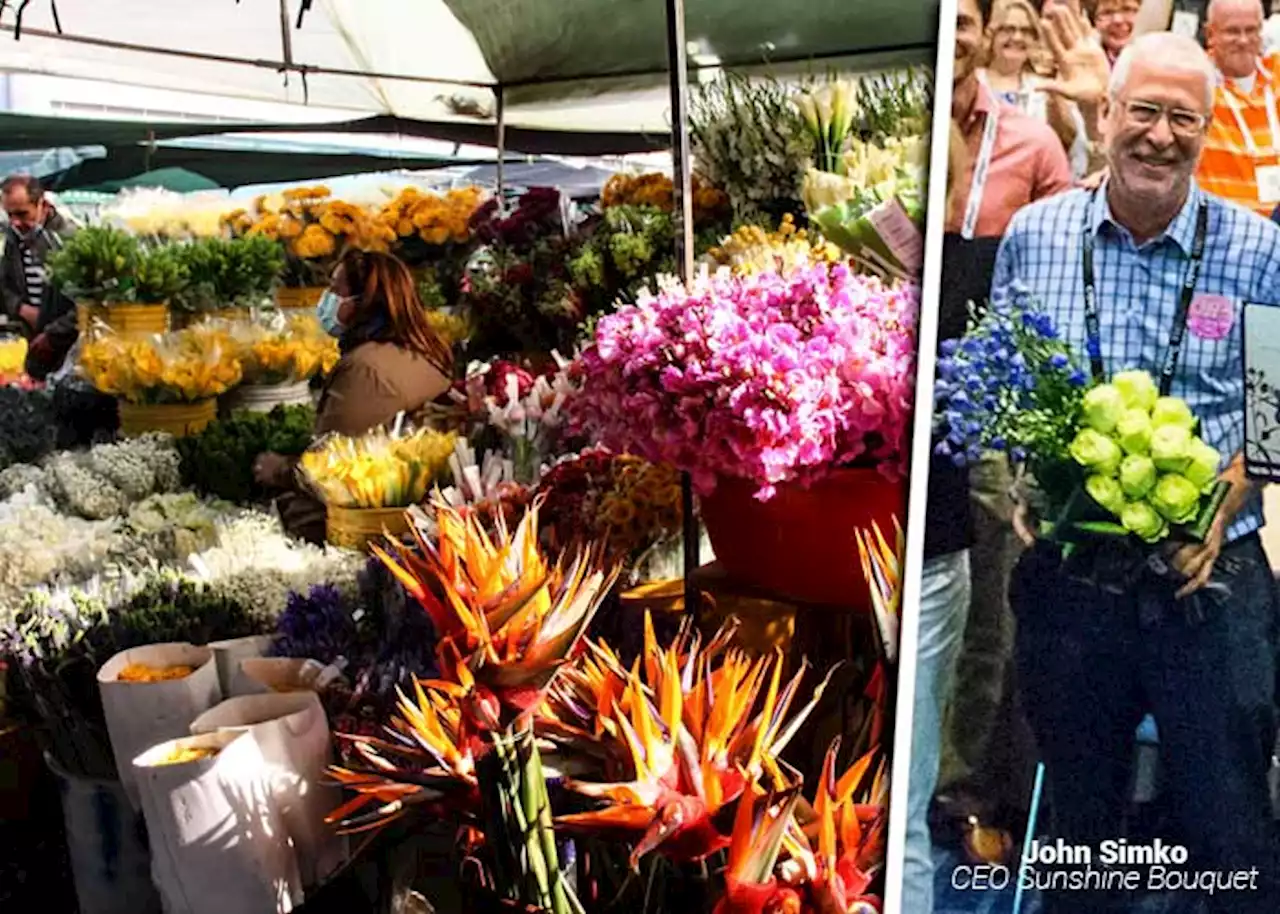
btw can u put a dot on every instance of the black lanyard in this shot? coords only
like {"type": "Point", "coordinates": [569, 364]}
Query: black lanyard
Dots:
{"type": "Point", "coordinates": [1091, 321]}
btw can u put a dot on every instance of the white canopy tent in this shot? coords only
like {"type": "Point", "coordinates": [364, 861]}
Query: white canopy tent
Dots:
{"type": "Point", "coordinates": [558, 64]}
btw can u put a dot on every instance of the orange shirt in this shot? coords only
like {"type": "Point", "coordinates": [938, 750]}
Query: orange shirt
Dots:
{"type": "Point", "coordinates": [1227, 165]}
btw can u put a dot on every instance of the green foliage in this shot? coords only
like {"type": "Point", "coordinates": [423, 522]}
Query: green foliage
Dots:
{"type": "Point", "coordinates": [895, 104]}
{"type": "Point", "coordinates": [99, 263]}
{"type": "Point", "coordinates": [219, 461]}
{"type": "Point", "coordinates": [160, 275]}
{"type": "Point", "coordinates": [230, 272]}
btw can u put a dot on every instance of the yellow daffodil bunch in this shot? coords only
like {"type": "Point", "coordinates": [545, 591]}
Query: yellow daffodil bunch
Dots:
{"type": "Point", "coordinates": [434, 218]}
{"type": "Point", "coordinates": [284, 351]}
{"type": "Point", "coordinates": [379, 470]}
{"type": "Point", "coordinates": [13, 356]}
{"type": "Point", "coordinates": [751, 249]}
{"type": "Point", "coordinates": [182, 367]}
{"type": "Point", "coordinates": [655, 189]}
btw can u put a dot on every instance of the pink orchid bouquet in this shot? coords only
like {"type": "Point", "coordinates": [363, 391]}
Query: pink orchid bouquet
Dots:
{"type": "Point", "coordinates": [773, 378]}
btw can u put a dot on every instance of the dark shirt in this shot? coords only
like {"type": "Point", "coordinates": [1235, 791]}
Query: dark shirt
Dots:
{"type": "Point", "coordinates": [967, 267]}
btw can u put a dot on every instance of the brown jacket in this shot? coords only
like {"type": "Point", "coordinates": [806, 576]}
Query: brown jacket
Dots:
{"type": "Point", "coordinates": [370, 385]}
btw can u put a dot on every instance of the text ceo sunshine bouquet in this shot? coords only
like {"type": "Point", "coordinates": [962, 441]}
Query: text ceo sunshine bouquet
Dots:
{"type": "Point", "coordinates": [1111, 462]}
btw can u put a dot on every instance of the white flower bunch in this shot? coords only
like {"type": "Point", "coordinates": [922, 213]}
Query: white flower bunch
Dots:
{"type": "Point", "coordinates": [38, 545]}
{"type": "Point", "coordinates": [139, 466]}
{"type": "Point", "coordinates": [22, 477]}
{"type": "Point", "coordinates": [254, 560]}
{"type": "Point", "coordinates": [82, 492]}
{"type": "Point", "coordinates": [749, 139]}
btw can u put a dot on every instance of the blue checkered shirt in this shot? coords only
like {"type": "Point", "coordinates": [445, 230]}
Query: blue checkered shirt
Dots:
{"type": "Point", "coordinates": [1138, 291]}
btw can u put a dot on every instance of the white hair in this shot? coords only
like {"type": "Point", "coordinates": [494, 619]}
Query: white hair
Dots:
{"type": "Point", "coordinates": [1176, 51]}
{"type": "Point", "coordinates": [1216, 5]}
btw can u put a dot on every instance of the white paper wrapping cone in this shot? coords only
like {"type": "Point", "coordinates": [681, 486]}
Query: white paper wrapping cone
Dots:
{"type": "Point", "coordinates": [267, 675]}
{"type": "Point", "coordinates": [292, 733]}
{"type": "Point", "coordinates": [141, 714]}
{"type": "Point", "coordinates": [229, 654]}
{"type": "Point", "coordinates": [218, 842]}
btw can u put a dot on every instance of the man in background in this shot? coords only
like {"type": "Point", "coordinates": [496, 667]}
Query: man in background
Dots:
{"type": "Point", "coordinates": [1241, 160]}
{"type": "Point", "coordinates": [47, 317]}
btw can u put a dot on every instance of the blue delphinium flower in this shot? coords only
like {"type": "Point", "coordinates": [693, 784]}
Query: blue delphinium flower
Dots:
{"type": "Point", "coordinates": [1009, 384]}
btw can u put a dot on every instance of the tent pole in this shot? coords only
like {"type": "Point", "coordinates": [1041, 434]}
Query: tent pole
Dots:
{"type": "Point", "coordinates": [502, 145]}
{"type": "Point", "coordinates": [682, 186]}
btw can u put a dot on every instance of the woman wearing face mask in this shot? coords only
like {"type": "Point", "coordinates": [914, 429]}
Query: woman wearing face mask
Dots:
{"type": "Point", "coordinates": [1015, 49]}
{"type": "Point", "coordinates": [392, 362]}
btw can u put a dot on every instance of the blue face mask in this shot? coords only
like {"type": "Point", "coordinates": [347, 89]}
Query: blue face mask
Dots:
{"type": "Point", "coordinates": [327, 312]}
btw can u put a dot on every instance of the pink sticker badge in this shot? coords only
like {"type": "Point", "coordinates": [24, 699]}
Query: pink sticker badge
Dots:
{"type": "Point", "coordinates": [1211, 316]}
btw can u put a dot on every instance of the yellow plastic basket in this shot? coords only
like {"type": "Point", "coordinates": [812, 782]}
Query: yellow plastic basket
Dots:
{"type": "Point", "coordinates": [178, 419]}
{"type": "Point", "coordinates": [126, 320]}
{"type": "Point", "coordinates": [356, 528]}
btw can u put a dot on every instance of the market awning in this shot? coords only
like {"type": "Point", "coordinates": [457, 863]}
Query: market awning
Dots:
{"type": "Point", "coordinates": [33, 132]}
{"type": "Point", "coordinates": [425, 58]}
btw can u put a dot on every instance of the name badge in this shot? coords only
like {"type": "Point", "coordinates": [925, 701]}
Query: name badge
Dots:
{"type": "Point", "coordinates": [1268, 183]}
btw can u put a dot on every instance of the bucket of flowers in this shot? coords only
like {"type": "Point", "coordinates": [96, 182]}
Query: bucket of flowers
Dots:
{"type": "Point", "coordinates": [279, 356]}
{"type": "Point", "coordinates": [118, 282]}
{"type": "Point", "coordinates": [367, 482]}
{"type": "Point", "coordinates": [165, 383]}
{"type": "Point", "coordinates": [1112, 468]}
{"type": "Point", "coordinates": [785, 394]}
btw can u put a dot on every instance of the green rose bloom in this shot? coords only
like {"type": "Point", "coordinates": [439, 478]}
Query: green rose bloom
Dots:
{"type": "Point", "coordinates": [1140, 519]}
{"type": "Point", "coordinates": [1134, 432]}
{"type": "Point", "coordinates": [1137, 389]}
{"type": "Point", "coordinates": [1176, 498]}
{"type": "Point", "coordinates": [1106, 492]}
{"type": "Point", "coordinates": [1137, 476]}
{"type": "Point", "coordinates": [1203, 468]}
{"type": "Point", "coordinates": [1171, 447]}
{"type": "Point", "coordinates": [1098, 452]}
{"type": "Point", "coordinates": [1172, 411]}
{"type": "Point", "coordinates": [1103, 407]}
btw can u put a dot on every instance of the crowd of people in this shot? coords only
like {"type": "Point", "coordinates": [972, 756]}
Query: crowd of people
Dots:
{"type": "Point", "coordinates": [1098, 130]}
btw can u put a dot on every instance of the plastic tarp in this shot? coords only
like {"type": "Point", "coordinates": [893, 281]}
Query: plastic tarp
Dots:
{"type": "Point", "coordinates": [33, 132]}
{"type": "Point", "coordinates": [430, 59]}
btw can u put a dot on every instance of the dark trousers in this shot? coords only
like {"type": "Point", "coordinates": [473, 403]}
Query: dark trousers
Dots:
{"type": "Point", "coordinates": [1090, 667]}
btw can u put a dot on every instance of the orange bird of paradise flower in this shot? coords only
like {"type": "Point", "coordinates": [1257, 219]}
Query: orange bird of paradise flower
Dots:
{"type": "Point", "coordinates": [689, 738]}
{"type": "Point", "coordinates": [507, 620]}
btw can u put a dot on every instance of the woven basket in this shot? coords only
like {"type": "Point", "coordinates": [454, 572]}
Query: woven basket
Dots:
{"type": "Point", "coordinates": [356, 528]}
{"type": "Point", "coordinates": [178, 419]}
{"type": "Point", "coordinates": [125, 320]}
{"type": "Point", "coordinates": [306, 298]}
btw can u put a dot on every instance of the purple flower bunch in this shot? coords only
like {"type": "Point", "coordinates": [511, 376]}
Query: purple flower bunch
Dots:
{"type": "Point", "coordinates": [317, 625]}
{"type": "Point", "coordinates": [770, 377]}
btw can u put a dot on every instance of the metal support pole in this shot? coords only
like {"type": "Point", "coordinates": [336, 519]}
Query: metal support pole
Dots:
{"type": "Point", "coordinates": [682, 183]}
{"type": "Point", "coordinates": [502, 146]}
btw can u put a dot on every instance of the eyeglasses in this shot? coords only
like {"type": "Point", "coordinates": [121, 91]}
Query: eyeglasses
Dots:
{"type": "Point", "coordinates": [1247, 33]}
{"type": "Point", "coordinates": [1181, 121]}
{"type": "Point", "coordinates": [1025, 31]}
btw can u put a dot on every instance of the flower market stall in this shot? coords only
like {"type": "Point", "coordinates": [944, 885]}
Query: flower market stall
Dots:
{"type": "Point", "coordinates": [496, 637]}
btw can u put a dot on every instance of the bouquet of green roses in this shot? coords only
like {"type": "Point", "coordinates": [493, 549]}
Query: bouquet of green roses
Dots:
{"type": "Point", "coordinates": [1109, 460]}
{"type": "Point", "coordinates": [1147, 469]}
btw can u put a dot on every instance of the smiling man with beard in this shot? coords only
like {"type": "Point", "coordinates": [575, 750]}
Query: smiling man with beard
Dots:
{"type": "Point", "coordinates": [1146, 271]}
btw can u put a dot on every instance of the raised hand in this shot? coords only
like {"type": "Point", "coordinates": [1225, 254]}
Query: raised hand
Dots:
{"type": "Point", "coordinates": [1083, 69]}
